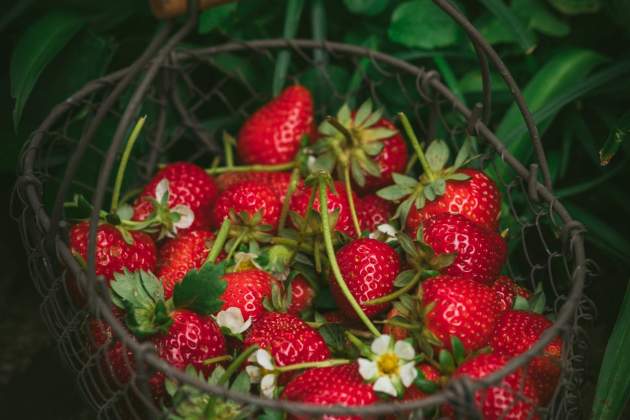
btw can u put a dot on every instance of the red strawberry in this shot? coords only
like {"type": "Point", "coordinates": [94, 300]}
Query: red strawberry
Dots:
{"type": "Point", "coordinates": [507, 290]}
{"type": "Point", "coordinates": [273, 133]}
{"type": "Point", "coordinates": [500, 401]}
{"type": "Point", "coordinates": [462, 307]}
{"type": "Point", "coordinates": [477, 198]}
{"type": "Point", "coordinates": [289, 339]}
{"type": "Point", "coordinates": [372, 211]}
{"type": "Point", "coordinates": [250, 197]}
{"type": "Point", "coordinates": [338, 201]}
{"type": "Point", "coordinates": [188, 184]}
{"type": "Point", "coordinates": [515, 333]}
{"type": "Point", "coordinates": [392, 158]}
{"type": "Point", "coordinates": [337, 385]}
{"type": "Point", "coordinates": [277, 181]}
{"type": "Point", "coordinates": [113, 253]}
{"type": "Point", "coordinates": [246, 290]}
{"type": "Point", "coordinates": [480, 252]}
{"type": "Point", "coordinates": [302, 295]}
{"type": "Point", "coordinates": [430, 374]}
{"type": "Point", "coordinates": [369, 268]}
{"type": "Point", "coordinates": [398, 333]}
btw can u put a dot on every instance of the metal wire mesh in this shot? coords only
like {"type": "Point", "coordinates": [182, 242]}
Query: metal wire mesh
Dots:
{"type": "Point", "coordinates": [190, 98]}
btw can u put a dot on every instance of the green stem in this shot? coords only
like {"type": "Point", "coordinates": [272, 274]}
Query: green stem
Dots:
{"type": "Point", "coordinates": [402, 325]}
{"type": "Point", "coordinates": [416, 146]}
{"type": "Point", "coordinates": [135, 133]}
{"type": "Point", "coordinates": [217, 246]}
{"type": "Point", "coordinates": [237, 242]}
{"type": "Point", "coordinates": [310, 365]}
{"type": "Point", "coordinates": [279, 240]}
{"type": "Point", "coordinates": [397, 293]}
{"type": "Point", "coordinates": [217, 359]}
{"type": "Point", "coordinates": [363, 348]}
{"type": "Point", "coordinates": [411, 162]}
{"type": "Point", "coordinates": [353, 210]}
{"type": "Point", "coordinates": [236, 364]}
{"type": "Point", "coordinates": [227, 148]}
{"type": "Point", "coordinates": [295, 178]}
{"type": "Point", "coordinates": [350, 139]}
{"type": "Point", "coordinates": [252, 168]}
{"type": "Point", "coordinates": [323, 205]}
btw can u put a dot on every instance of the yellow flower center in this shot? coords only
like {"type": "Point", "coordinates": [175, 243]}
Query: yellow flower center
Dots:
{"type": "Point", "coordinates": [388, 363]}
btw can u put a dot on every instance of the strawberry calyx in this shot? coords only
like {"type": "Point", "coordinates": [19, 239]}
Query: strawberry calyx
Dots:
{"type": "Point", "coordinates": [536, 302]}
{"type": "Point", "coordinates": [247, 229]}
{"type": "Point", "coordinates": [421, 255]}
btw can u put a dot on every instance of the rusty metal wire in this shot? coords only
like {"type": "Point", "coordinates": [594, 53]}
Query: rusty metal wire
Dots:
{"type": "Point", "coordinates": [184, 91]}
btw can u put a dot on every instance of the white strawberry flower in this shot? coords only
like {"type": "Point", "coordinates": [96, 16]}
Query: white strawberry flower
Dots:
{"type": "Point", "coordinates": [161, 189]}
{"type": "Point", "coordinates": [232, 319]}
{"type": "Point", "coordinates": [263, 372]}
{"type": "Point", "coordinates": [386, 230]}
{"type": "Point", "coordinates": [391, 367]}
{"type": "Point", "coordinates": [185, 213]}
{"type": "Point", "coordinates": [310, 163]}
{"type": "Point", "coordinates": [246, 260]}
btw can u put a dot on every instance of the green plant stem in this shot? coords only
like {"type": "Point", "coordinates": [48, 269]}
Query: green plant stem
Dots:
{"type": "Point", "coordinates": [363, 348]}
{"type": "Point", "coordinates": [416, 146]}
{"type": "Point", "coordinates": [237, 242]}
{"type": "Point", "coordinates": [295, 178]}
{"type": "Point", "coordinates": [252, 168]}
{"type": "Point", "coordinates": [311, 365]}
{"type": "Point", "coordinates": [227, 148]}
{"type": "Point", "coordinates": [343, 130]}
{"type": "Point", "coordinates": [402, 325]}
{"type": "Point", "coordinates": [397, 293]}
{"type": "Point", "coordinates": [236, 364]}
{"type": "Point", "coordinates": [135, 133]}
{"type": "Point", "coordinates": [217, 246]}
{"type": "Point", "coordinates": [217, 359]}
{"type": "Point", "coordinates": [353, 210]}
{"type": "Point", "coordinates": [279, 240]}
{"type": "Point", "coordinates": [330, 250]}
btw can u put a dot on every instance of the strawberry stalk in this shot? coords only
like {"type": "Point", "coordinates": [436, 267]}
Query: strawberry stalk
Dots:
{"type": "Point", "coordinates": [228, 141]}
{"type": "Point", "coordinates": [253, 168]}
{"type": "Point", "coordinates": [222, 236]}
{"type": "Point", "coordinates": [235, 245]}
{"type": "Point", "coordinates": [312, 365]}
{"type": "Point", "coordinates": [295, 177]}
{"type": "Point", "coordinates": [217, 359]}
{"type": "Point", "coordinates": [229, 371]}
{"type": "Point", "coordinates": [353, 210]}
{"type": "Point", "coordinates": [124, 160]}
{"type": "Point", "coordinates": [426, 167]}
{"type": "Point", "coordinates": [323, 201]}
{"type": "Point", "coordinates": [395, 295]}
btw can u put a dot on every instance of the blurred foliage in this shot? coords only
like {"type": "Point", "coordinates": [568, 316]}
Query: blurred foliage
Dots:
{"type": "Point", "coordinates": [569, 56]}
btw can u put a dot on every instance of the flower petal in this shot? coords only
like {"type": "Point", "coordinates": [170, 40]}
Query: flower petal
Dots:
{"type": "Point", "coordinates": [263, 357]}
{"type": "Point", "coordinates": [381, 344]}
{"type": "Point", "coordinates": [160, 189]}
{"type": "Point", "coordinates": [404, 350]}
{"type": "Point", "coordinates": [186, 216]}
{"type": "Point", "coordinates": [385, 385]}
{"type": "Point", "coordinates": [408, 373]}
{"type": "Point", "coordinates": [387, 229]}
{"type": "Point", "coordinates": [367, 369]}
{"type": "Point", "coordinates": [268, 385]}
{"type": "Point", "coordinates": [232, 319]}
{"type": "Point", "coordinates": [254, 373]}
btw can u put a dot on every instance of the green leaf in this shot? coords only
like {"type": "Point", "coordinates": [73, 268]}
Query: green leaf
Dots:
{"type": "Point", "coordinates": [617, 136]}
{"type": "Point", "coordinates": [366, 7]}
{"type": "Point", "coordinates": [334, 336]}
{"type": "Point", "coordinates": [77, 209]}
{"type": "Point", "coordinates": [241, 383]}
{"type": "Point", "coordinates": [439, 186]}
{"type": "Point", "coordinates": [283, 59]}
{"type": "Point", "coordinates": [540, 18]}
{"type": "Point", "coordinates": [613, 386]}
{"type": "Point", "coordinates": [379, 133]}
{"type": "Point", "coordinates": [404, 278]}
{"type": "Point", "coordinates": [576, 7]}
{"type": "Point", "coordinates": [512, 22]}
{"type": "Point", "coordinates": [422, 24]}
{"type": "Point", "coordinates": [429, 193]}
{"type": "Point", "coordinates": [373, 148]}
{"type": "Point", "coordinates": [447, 364]}
{"type": "Point", "coordinates": [214, 17]}
{"type": "Point", "coordinates": [363, 112]}
{"type": "Point", "coordinates": [39, 44]}
{"type": "Point", "coordinates": [458, 349]}
{"type": "Point", "coordinates": [520, 303]}
{"type": "Point", "coordinates": [393, 192]}
{"type": "Point", "coordinates": [357, 172]}
{"type": "Point", "coordinates": [437, 154]}
{"type": "Point", "coordinates": [201, 289]}
{"type": "Point", "coordinates": [404, 180]}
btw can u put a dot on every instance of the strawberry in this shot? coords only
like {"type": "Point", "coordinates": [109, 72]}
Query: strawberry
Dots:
{"type": "Point", "coordinates": [336, 201]}
{"type": "Point", "coordinates": [430, 374]}
{"type": "Point", "coordinates": [460, 307]}
{"type": "Point", "coordinates": [277, 181]}
{"type": "Point", "coordinates": [273, 133]}
{"type": "Point", "coordinates": [373, 211]}
{"type": "Point", "coordinates": [187, 185]}
{"type": "Point", "coordinates": [398, 333]}
{"type": "Point", "coordinates": [337, 385]}
{"type": "Point", "coordinates": [480, 253]}
{"type": "Point", "coordinates": [392, 158]}
{"type": "Point", "coordinates": [250, 197]}
{"type": "Point", "coordinates": [499, 401]}
{"type": "Point", "coordinates": [302, 295]}
{"type": "Point", "coordinates": [476, 198]}
{"type": "Point", "coordinates": [369, 268]}
{"type": "Point", "coordinates": [289, 339]}
{"type": "Point", "coordinates": [179, 255]}
{"type": "Point", "coordinates": [515, 333]}
{"type": "Point", "coordinates": [507, 290]}
{"type": "Point", "coordinates": [247, 290]}
{"type": "Point", "coordinates": [113, 253]}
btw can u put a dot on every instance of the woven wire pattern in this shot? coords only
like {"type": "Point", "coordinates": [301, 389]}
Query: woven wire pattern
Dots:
{"type": "Point", "coordinates": [195, 97]}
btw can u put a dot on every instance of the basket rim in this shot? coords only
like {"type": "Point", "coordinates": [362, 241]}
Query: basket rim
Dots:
{"type": "Point", "coordinates": [572, 231]}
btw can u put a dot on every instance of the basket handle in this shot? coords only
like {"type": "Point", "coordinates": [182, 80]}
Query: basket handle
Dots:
{"type": "Point", "coordinates": [166, 9]}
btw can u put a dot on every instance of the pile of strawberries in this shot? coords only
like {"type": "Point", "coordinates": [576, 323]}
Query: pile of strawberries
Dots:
{"type": "Point", "coordinates": [320, 271]}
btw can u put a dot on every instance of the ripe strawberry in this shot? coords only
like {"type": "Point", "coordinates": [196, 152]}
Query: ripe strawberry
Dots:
{"type": "Point", "coordinates": [398, 333]}
{"type": "Point", "coordinates": [476, 198]}
{"type": "Point", "coordinates": [500, 401]}
{"type": "Point", "coordinates": [392, 158]}
{"type": "Point", "coordinates": [302, 295]}
{"type": "Point", "coordinates": [338, 201]}
{"type": "Point", "coordinates": [515, 333]}
{"type": "Point", "coordinates": [337, 385]}
{"type": "Point", "coordinates": [369, 268]}
{"type": "Point", "coordinates": [250, 197]}
{"type": "Point", "coordinates": [113, 253]}
{"type": "Point", "coordinates": [289, 339]}
{"type": "Point", "coordinates": [273, 133]}
{"type": "Point", "coordinates": [188, 185]}
{"type": "Point", "coordinates": [277, 181]}
{"type": "Point", "coordinates": [461, 307]}
{"type": "Point", "coordinates": [507, 290]}
{"type": "Point", "coordinates": [247, 290]}
{"type": "Point", "coordinates": [372, 211]}
{"type": "Point", "coordinates": [480, 252]}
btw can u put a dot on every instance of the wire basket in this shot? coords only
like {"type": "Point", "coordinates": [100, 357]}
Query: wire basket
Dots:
{"type": "Point", "coordinates": [182, 91]}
